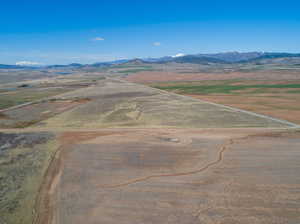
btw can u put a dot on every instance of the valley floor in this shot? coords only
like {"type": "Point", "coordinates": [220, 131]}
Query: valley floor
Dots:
{"type": "Point", "coordinates": [119, 152]}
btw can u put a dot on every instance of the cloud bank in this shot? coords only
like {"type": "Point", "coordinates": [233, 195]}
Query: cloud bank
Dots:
{"type": "Point", "coordinates": [27, 63]}
{"type": "Point", "coordinates": [178, 55]}
{"type": "Point", "coordinates": [98, 39]}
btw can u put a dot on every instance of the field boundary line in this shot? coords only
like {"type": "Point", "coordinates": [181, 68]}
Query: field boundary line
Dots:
{"type": "Point", "coordinates": [291, 124]}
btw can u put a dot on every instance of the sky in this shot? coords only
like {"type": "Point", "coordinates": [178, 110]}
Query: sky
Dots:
{"type": "Point", "coordinates": [89, 31]}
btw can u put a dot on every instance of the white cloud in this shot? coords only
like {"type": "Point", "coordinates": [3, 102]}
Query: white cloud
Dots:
{"type": "Point", "coordinates": [178, 55]}
{"type": "Point", "coordinates": [156, 44]}
{"type": "Point", "coordinates": [98, 39]}
{"type": "Point", "coordinates": [57, 57]}
{"type": "Point", "coordinates": [27, 63]}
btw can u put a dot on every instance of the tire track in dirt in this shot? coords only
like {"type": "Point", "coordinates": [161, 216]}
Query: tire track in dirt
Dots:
{"type": "Point", "coordinates": [219, 159]}
{"type": "Point", "coordinates": [43, 210]}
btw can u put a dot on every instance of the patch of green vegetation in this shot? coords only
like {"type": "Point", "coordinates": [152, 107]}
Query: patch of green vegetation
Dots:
{"type": "Point", "coordinates": [100, 78]}
{"type": "Point", "coordinates": [5, 103]}
{"type": "Point", "coordinates": [25, 124]}
{"type": "Point", "coordinates": [135, 70]}
{"type": "Point", "coordinates": [293, 91]}
{"type": "Point", "coordinates": [133, 66]}
{"type": "Point", "coordinates": [14, 98]}
{"type": "Point", "coordinates": [196, 83]}
{"type": "Point", "coordinates": [21, 172]}
{"type": "Point", "coordinates": [223, 88]}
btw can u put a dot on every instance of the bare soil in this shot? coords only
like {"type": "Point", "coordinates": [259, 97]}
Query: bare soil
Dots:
{"type": "Point", "coordinates": [166, 76]}
{"type": "Point", "coordinates": [175, 160]}
{"type": "Point", "coordinates": [280, 105]}
{"type": "Point", "coordinates": [176, 176]}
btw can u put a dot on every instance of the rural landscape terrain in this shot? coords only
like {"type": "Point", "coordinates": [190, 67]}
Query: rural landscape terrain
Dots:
{"type": "Point", "coordinates": [207, 138]}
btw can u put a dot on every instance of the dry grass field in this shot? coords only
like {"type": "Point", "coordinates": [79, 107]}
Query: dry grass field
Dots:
{"type": "Point", "coordinates": [24, 159]}
{"type": "Point", "coordinates": [115, 103]}
{"type": "Point", "coordinates": [278, 99]}
{"type": "Point", "coordinates": [271, 90]}
{"type": "Point", "coordinates": [94, 150]}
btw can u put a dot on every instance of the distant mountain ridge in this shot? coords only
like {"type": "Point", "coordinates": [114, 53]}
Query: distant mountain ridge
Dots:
{"type": "Point", "coordinates": [223, 58]}
{"type": "Point", "coordinates": [229, 57]}
{"type": "Point", "coordinates": [217, 58]}
{"type": "Point", "coordinates": [3, 66]}
{"type": "Point", "coordinates": [233, 56]}
{"type": "Point", "coordinates": [275, 56]}
{"type": "Point", "coordinates": [197, 59]}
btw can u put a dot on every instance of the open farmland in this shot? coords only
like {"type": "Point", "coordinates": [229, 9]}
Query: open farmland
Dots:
{"type": "Point", "coordinates": [115, 103]}
{"type": "Point", "coordinates": [267, 89]}
{"type": "Point", "coordinates": [16, 97]}
{"type": "Point", "coordinates": [112, 151]}
{"type": "Point", "coordinates": [126, 112]}
{"type": "Point", "coordinates": [275, 98]}
{"type": "Point", "coordinates": [16, 93]}
{"type": "Point", "coordinates": [175, 176]}
{"type": "Point", "coordinates": [176, 74]}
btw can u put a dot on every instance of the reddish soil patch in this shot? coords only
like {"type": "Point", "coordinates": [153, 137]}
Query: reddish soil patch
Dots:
{"type": "Point", "coordinates": [3, 116]}
{"type": "Point", "coordinates": [149, 77]}
{"type": "Point", "coordinates": [68, 138]}
{"type": "Point", "coordinates": [64, 105]}
{"type": "Point", "coordinates": [282, 106]}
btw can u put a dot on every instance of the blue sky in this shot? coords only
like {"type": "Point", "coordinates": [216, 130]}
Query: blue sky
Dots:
{"type": "Point", "coordinates": [62, 32]}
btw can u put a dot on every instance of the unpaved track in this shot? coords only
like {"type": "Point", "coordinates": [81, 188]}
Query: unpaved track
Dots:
{"type": "Point", "coordinates": [45, 203]}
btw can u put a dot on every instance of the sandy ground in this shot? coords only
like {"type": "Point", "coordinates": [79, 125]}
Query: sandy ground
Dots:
{"type": "Point", "coordinates": [174, 176]}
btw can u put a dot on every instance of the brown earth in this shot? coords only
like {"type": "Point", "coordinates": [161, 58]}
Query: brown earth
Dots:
{"type": "Point", "coordinates": [283, 106]}
{"type": "Point", "coordinates": [44, 207]}
{"type": "Point", "coordinates": [175, 176]}
{"type": "Point", "coordinates": [151, 76]}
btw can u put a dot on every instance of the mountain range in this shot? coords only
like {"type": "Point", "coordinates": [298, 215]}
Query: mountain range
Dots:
{"type": "Point", "coordinates": [217, 58]}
